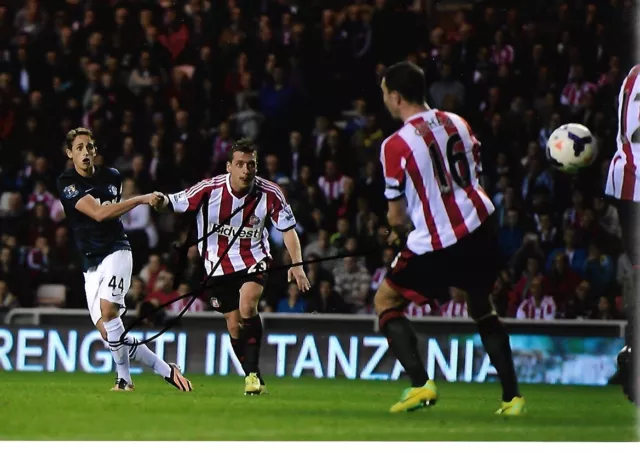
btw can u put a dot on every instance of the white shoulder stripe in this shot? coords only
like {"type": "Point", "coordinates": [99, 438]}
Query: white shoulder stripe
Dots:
{"type": "Point", "coordinates": [271, 187]}
{"type": "Point", "coordinates": [202, 185]}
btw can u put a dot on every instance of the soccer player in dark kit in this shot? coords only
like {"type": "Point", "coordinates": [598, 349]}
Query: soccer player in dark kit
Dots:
{"type": "Point", "coordinates": [91, 197]}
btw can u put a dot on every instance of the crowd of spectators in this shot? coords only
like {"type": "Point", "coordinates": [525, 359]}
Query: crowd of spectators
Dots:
{"type": "Point", "coordinates": [166, 86]}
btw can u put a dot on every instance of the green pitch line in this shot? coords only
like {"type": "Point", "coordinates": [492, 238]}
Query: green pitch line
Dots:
{"type": "Point", "coordinates": [60, 406]}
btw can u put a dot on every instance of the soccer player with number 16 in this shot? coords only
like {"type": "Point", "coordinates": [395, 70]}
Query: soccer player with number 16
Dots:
{"type": "Point", "coordinates": [431, 168]}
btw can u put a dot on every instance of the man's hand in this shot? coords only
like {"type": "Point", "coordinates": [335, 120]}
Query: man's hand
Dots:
{"type": "Point", "coordinates": [397, 237]}
{"type": "Point", "coordinates": [393, 239]}
{"type": "Point", "coordinates": [297, 273]}
{"type": "Point", "coordinates": [146, 198]}
{"type": "Point", "coordinates": [157, 200]}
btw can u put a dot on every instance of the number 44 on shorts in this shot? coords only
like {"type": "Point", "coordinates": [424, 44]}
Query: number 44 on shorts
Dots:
{"type": "Point", "coordinates": [119, 285]}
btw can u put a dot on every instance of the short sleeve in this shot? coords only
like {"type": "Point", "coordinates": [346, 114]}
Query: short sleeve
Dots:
{"type": "Point", "coordinates": [393, 158]}
{"type": "Point", "coordinates": [280, 211]}
{"type": "Point", "coordinates": [189, 199]}
{"type": "Point", "coordinates": [179, 201]}
{"type": "Point", "coordinates": [115, 172]}
{"type": "Point", "coordinates": [70, 192]}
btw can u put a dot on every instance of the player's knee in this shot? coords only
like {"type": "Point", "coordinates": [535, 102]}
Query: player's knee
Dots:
{"type": "Point", "coordinates": [109, 310]}
{"type": "Point", "coordinates": [249, 299]}
{"type": "Point", "coordinates": [248, 309]}
{"type": "Point", "coordinates": [386, 298]}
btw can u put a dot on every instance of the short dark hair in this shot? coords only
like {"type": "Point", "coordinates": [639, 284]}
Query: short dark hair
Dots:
{"type": "Point", "coordinates": [244, 145]}
{"type": "Point", "coordinates": [78, 131]}
{"type": "Point", "coordinates": [407, 79]}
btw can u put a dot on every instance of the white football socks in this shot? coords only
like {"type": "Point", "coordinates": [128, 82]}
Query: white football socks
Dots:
{"type": "Point", "coordinates": [141, 353]}
{"type": "Point", "coordinates": [115, 329]}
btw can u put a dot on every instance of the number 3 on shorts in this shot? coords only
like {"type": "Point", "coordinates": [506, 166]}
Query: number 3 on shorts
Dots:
{"type": "Point", "coordinates": [258, 267]}
{"type": "Point", "coordinates": [113, 285]}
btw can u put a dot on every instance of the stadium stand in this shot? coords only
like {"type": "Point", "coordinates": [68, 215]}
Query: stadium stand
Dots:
{"type": "Point", "coordinates": [166, 86]}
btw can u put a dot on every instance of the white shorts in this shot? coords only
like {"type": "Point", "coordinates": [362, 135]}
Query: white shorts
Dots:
{"type": "Point", "coordinates": [109, 280]}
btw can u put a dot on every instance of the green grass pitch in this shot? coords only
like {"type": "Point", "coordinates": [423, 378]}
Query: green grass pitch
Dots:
{"type": "Point", "coordinates": [59, 406]}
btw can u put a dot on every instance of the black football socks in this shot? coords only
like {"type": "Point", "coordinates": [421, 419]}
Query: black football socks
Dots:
{"type": "Point", "coordinates": [404, 343]}
{"type": "Point", "coordinates": [495, 340]}
{"type": "Point", "coordinates": [252, 334]}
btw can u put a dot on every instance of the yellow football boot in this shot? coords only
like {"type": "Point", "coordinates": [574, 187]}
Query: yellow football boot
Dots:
{"type": "Point", "coordinates": [513, 407]}
{"type": "Point", "coordinates": [252, 384]}
{"type": "Point", "coordinates": [414, 398]}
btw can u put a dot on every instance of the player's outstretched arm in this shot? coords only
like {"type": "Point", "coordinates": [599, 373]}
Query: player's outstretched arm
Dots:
{"type": "Point", "coordinates": [89, 206]}
{"type": "Point", "coordinates": [160, 202]}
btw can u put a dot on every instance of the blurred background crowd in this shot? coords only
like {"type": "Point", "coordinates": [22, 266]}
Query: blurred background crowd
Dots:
{"type": "Point", "coordinates": [168, 85]}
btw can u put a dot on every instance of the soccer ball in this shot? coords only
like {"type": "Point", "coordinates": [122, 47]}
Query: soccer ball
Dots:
{"type": "Point", "coordinates": [571, 148]}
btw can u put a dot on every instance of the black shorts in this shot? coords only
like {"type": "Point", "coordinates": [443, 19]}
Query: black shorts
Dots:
{"type": "Point", "coordinates": [223, 293]}
{"type": "Point", "coordinates": [471, 264]}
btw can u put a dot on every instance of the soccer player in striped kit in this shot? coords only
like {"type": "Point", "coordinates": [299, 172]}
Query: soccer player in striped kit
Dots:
{"type": "Point", "coordinates": [431, 167]}
{"type": "Point", "coordinates": [623, 189]}
{"type": "Point", "coordinates": [232, 210]}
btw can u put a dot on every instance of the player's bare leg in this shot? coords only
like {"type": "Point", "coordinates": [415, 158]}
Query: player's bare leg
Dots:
{"type": "Point", "coordinates": [142, 354]}
{"type": "Point", "coordinates": [389, 306]}
{"type": "Point", "coordinates": [495, 340]}
{"type": "Point", "coordinates": [250, 293]}
{"type": "Point", "coordinates": [114, 329]}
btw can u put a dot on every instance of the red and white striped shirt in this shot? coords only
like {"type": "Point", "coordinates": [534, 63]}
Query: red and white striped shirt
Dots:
{"type": "Point", "coordinates": [454, 309]}
{"type": "Point", "coordinates": [415, 310]}
{"type": "Point", "coordinates": [529, 310]}
{"type": "Point", "coordinates": [573, 93]}
{"type": "Point", "coordinates": [622, 181]}
{"type": "Point", "coordinates": [434, 161]}
{"type": "Point", "coordinates": [378, 277]}
{"type": "Point", "coordinates": [197, 306]}
{"type": "Point", "coordinates": [332, 188]}
{"type": "Point", "coordinates": [45, 197]}
{"type": "Point", "coordinates": [250, 213]}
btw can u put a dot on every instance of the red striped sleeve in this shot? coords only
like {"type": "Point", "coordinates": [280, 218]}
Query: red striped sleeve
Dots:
{"type": "Point", "coordinates": [277, 206]}
{"type": "Point", "coordinates": [394, 151]}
